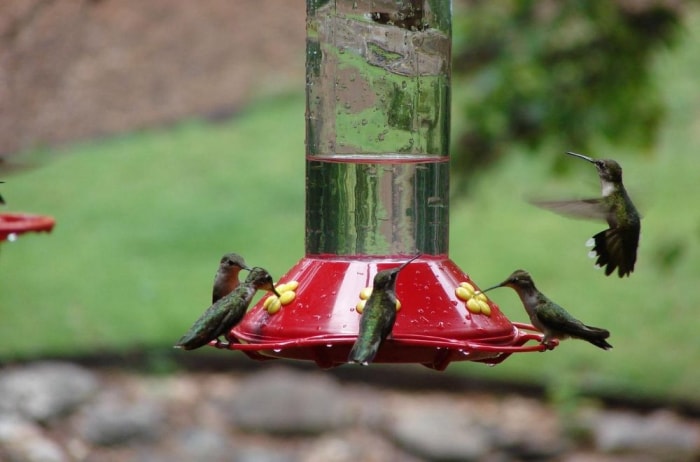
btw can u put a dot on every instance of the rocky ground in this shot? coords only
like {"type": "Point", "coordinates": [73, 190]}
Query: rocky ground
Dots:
{"type": "Point", "coordinates": [60, 411]}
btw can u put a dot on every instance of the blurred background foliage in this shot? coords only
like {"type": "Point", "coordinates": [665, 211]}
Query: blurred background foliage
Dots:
{"type": "Point", "coordinates": [561, 73]}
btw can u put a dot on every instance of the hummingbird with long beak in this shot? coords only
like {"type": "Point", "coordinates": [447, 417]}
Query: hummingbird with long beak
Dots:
{"type": "Point", "coordinates": [615, 247]}
{"type": "Point", "coordinates": [378, 316]}
{"type": "Point", "coordinates": [226, 278]}
{"type": "Point", "coordinates": [227, 312]}
{"type": "Point", "coordinates": [548, 317]}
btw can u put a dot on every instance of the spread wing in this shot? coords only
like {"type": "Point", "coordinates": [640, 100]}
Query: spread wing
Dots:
{"type": "Point", "coordinates": [593, 209]}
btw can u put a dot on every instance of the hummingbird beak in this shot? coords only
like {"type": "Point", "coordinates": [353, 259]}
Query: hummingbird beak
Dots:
{"type": "Point", "coordinates": [490, 288]}
{"type": "Point", "coordinates": [273, 290]}
{"type": "Point", "coordinates": [581, 156]}
{"type": "Point", "coordinates": [406, 263]}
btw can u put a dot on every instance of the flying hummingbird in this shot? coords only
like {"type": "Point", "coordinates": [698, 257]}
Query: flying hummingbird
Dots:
{"type": "Point", "coordinates": [551, 319]}
{"type": "Point", "coordinates": [378, 316]}
{"type": "Point", "coordinates": [2, 201]}
{"type": "Point", "coordinates": [226, 278]}
{"type": "Point", "coordinates": [616, 247]}
{"type": "Point", "coordinates": [228, 311]}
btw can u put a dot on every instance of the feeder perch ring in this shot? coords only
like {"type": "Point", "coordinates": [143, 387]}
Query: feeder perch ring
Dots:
{"type": "Point", "coordinates": [16, 224]}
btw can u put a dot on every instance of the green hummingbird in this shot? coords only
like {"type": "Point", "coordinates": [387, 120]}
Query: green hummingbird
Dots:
{"type": "Point", "coordinates": [551, 319]}
{"type": "Point", "coordinates": [378, 316]}
{"type": "Point", "coordinates": [228, 311]}
{"type": "Point", "coordinates": [615, 247]}
{"type": "Point", "coordinates": [226, 278]}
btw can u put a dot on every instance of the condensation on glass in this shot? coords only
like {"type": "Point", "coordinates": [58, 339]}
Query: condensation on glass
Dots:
{"type": "Point", "coordinates": [377, 127]}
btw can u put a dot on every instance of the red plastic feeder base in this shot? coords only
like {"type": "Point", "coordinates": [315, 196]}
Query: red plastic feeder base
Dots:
{"type": "Point", "coordinates": [433, 326]}
{"type": "Point", "coordinates": [14, 224]}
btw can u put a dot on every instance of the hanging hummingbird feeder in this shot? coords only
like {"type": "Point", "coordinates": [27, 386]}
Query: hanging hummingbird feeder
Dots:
{"type": "Point", "coordinates": [377, 194]}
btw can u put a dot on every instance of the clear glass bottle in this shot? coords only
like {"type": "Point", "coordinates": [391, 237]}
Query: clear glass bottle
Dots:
{"type": "Point", "coordinates": [377, 127]}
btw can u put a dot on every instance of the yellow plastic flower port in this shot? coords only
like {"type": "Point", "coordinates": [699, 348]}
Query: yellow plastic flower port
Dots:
{"type": "Point", "coordinates": [364, 296]}
{"type": "Point", "coordinates": [273, 303]}
{"type": "Point", "coordinates": [476, 303]}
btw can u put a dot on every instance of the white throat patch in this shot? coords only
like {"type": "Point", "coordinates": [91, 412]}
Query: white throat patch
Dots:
{"type": "Point", "coordinates": [608, 187]}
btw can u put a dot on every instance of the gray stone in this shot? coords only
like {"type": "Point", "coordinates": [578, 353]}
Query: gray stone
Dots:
{"type": "Point", "coordinates": [113, 421]}
{"type": "Point", "coordinates": [283, 401]}
{"type": "Point", "coordinates": [263, 453]}
{"type": "Point", "coordinates": [599, 457]}
{"type": "Point", "coordinates": [204, 444]}
{"type": "Point", "coordinates": [527, 429]}
{"type": "Point", "coordinates": [45, 390]}
{"type": "Point", "coordinates": [354, 446]}
{"type": "Point", "coordinates": [661, 432]}
{"type": "Point", "coordinates": [22, 440]}
{"type": "Point", "coordinates": [439, 431]}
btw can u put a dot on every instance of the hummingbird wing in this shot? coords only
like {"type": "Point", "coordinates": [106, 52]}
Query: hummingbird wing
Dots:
{"type": "Point", "coordinates": [376, 324]}
{"type": "Point", "coordinates": [208, 327]}
{"type": "Point", "coordinates": [561, 323]}
{"type": "Point", "coordinates": [593, 209]}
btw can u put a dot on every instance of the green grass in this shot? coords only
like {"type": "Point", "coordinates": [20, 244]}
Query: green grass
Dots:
{"type": "Point", "coordinates": [142, 220]}
{"type": "Point", "coordinates": [141, 223]}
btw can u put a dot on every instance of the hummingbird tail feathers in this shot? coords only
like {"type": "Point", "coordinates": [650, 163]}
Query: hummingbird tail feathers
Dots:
{"type": "Point", "coordinates": [596, 336]}
{"type": "Point", "coordinates": [363, 353]}
{"type": "Point", "coordinates": [191, 342]}
{"type": "Point", "coordinates": [600, 343]}
{"type": "Point", "coordinates": [616, 248]}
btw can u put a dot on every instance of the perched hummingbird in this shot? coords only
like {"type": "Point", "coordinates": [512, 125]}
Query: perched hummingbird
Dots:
{"type": "Point", "coordinates": [551, 319]}
{"type": "Point", "coordinates": [226, 278]}
{"type": "Point", "coordinates": [616, 246]}
{"type": "Point", "coordinates": [378, 316]}
{"type": "Point", "coordinates": [228, 311]}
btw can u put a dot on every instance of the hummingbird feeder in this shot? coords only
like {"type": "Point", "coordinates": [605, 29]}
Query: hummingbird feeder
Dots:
{"type": "Point", "coordinates": [377, 194]}
{"type": "Point", "coordinates": [12, 225]}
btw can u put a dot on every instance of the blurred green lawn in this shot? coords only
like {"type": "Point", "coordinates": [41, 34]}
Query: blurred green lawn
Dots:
{"type": "Point", "coordinates": [142, 220]}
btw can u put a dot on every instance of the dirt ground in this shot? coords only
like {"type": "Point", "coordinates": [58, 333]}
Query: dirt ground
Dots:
{"type": "Point", "coordinates": [77, 69]}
